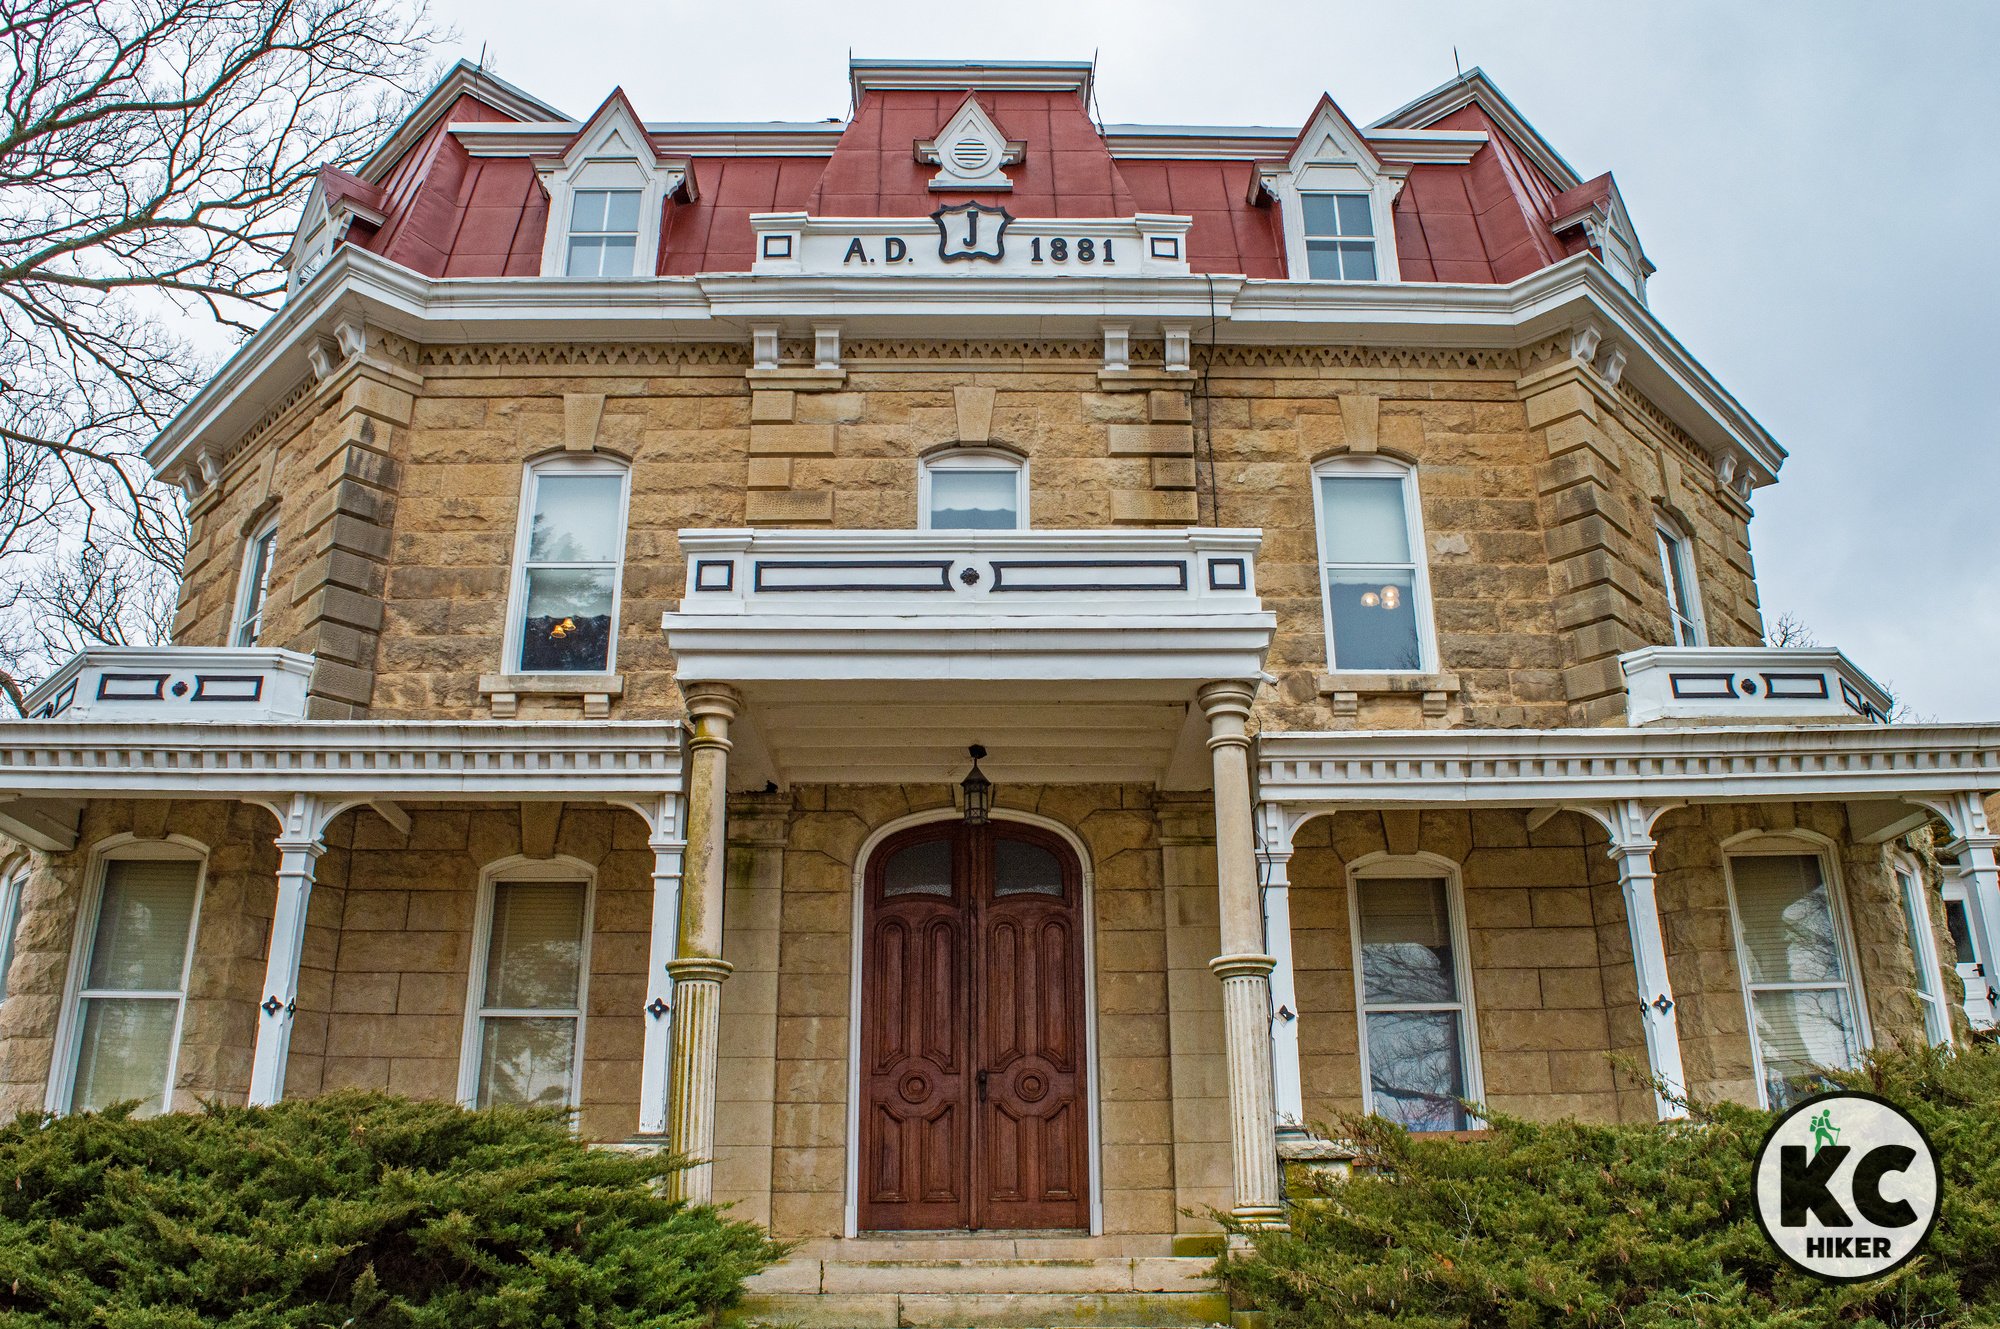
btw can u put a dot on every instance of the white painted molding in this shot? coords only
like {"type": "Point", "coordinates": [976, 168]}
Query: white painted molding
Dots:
{"type": "Point", "coordinates": [176, 683]}
{"type": "Point", "coordinates": [971, 152]}
{"type": "Point", "coordinates": [1751, 684]}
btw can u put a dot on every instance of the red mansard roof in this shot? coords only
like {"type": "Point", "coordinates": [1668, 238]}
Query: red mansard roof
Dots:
{"type": "Point", "coordinates": [452, 214]}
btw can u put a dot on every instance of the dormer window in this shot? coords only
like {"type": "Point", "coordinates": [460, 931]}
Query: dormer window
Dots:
{"type": "Point", "coordinates": [1340, 237]}
{"type": "Point", "coordinates": [603, 232]}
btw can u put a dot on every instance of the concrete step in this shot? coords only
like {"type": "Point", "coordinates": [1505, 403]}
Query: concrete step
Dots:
{"type": "Point", "coordinates": [1155, 1273]}
{"type": "Point", "coordinates": [1003, 1246]}
{"type": "Point", "coordinates": [981, 1310]}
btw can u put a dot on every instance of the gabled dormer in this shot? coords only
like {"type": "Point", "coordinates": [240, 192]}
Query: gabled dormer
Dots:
{"type": "Point", "coordinates": [607, 189]}
{"type": "Point", "coordinates": [1596, 210]}
{"type": "Point", "coordinates": [338, 202]}
{"type": "Point", "coordinates": [1336, 201]}
{"type": "Point", "coordinates": [970, 152]}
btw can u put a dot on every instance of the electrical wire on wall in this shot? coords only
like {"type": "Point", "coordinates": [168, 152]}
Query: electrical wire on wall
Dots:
{"type": "Point", "coordinates": [1207, 410]}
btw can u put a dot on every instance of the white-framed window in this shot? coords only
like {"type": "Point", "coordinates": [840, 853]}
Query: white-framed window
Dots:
{"type": "Point", "coordinates": [13, 885]}
{"type": "Point", "coordinates": [1923, 949]}
{"type": "Point", "coordinates": [253, 585]}
{"type": "Point", "coordinates": [1413, 989]}
{"type": "Point", "coordinates": [1340, 236]}
{"type": "Point", "coordinates": [1797, 962]}
{"type": "Point", "coordinates": [121, 1024]}
{"type": "Point", "coordinates": [530, 981]}
{"type": "Point", "coordinates": [569, 557]}
{"type": "Point", "coordinates": [603, 232]}
{"type": "Point", "coordinates": [1373, 583]}
{"type": "Point", "coordinates": [973, 489]}
{"type": "Point", "coordinates": [1967, 956]}
{"type": "Point", "coordinates": [1683, 590]}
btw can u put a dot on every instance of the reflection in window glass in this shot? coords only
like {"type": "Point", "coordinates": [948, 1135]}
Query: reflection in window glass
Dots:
{"type": "Point", "coordinates": [1369, 572]}
{"type": "Point", "coordinates": [1923, 955]}
{"type": "Point", "coordinates": [135, 979]}
{"type": "Point", "coordinates": [1413, 1014]}
{"type": "Point", "coordinates": [531, 994]}
{"type": "Point", "coordinates": [569, 592]}
{"type": "Point", "coordinates": [603, 232]}
{"type": "Point", "coordinates": [257, 557]}
{"type": "Point", "coordinates": [975, 497]}
{"type": "Point", "coordinates": [1795, 971]}
{"type": "Point", "coordinates": [1339, 231]}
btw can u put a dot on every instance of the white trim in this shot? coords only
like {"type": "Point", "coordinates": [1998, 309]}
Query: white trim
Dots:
{"type": "Point", "coordinates": [1378, 466]}
{"type": "Point", "coordinates": [1795, 844]}
{"type": "Point", "coordinates": [13, 888]}
{"type": "Point", "coordinates": [1679, 571]}
{"type": "Point", "coordinates": [1333, 157]}
{"type": "Point", "coordinates": [1977, 1003]}
{"type": "Point", "coordinates": [613, 152]}
{"type": "Point", "coordinates": [1087, 902]}
{"type": "Point", "coordinates": [973, 459]}
{"type": "Point", "coordinates": [557, 870]}
{"type": "Point", "coordinates": [1908, 877]}
{"type": "Point", "coordinates": [969, 75]}
{"type": "Point", "coordinates": [517, 588]}
{"type": "Point", "coordinates": [1418, 867]}
{"type": "Point", "coordinates": [1473, 86]}
{"type": "Point", "coordinates": [252, 594]}
{"type": "Point", "coordinates": [69, 1023]}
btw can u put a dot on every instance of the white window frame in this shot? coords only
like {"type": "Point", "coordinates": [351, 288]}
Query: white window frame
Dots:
{"type": "Point", "coordinates": [1677, 568]}
{"type": "Point", "coordinates": [571, 231]}
{"type": "Point", "coordinates": [611, 151]}
{"type": "Point", "coordinates": [13, 886]}
{"type": "Point", "coordinates": [253, 593]}
{"type": "Point", "coordinates": [1977, 1005]}
{"type": "Point", "coordinates": [560, 869]}
{"type": "Point", "coordinates": [1377, 466]}
{"type": "Point", "coordinates": [973, 459]}
{"type": "Point", "coordinates": [69, 1023]}
{"type": "Point", "coordinates": [517, 591]}
{"type": "Point", "coordinates": [1418, 867]}
{"type": "Point", "coordinates": [1374, 238]}
{"type": "Point", "coordinates": [1931, 1000]}
{"type": "Point", "coordinates": [1333, 157]}
{"type": "Point", "coordinates": [1763, 844]}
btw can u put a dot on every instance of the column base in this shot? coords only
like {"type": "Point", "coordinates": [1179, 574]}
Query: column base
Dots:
{"type": "Point", "coordinates": [1262, 1217]}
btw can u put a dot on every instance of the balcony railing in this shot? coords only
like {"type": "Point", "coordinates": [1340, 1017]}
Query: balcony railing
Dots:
{"type": "Point", "coordinates": [1748, 685]}
{"type": "Point", "coordinates": [194, 683]}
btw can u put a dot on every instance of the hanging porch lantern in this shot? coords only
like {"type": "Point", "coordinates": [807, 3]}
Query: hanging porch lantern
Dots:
{"type": "Point", "coordinates": [978, 791]}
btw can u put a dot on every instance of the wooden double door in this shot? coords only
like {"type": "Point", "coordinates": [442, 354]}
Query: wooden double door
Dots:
{"type": "Point", "coordinates": [974, 1108]}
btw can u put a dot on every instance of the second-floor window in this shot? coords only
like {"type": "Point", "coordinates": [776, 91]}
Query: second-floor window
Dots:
{"type": "Point", "coordinates": [973, 490]}
{"type": "Point", "coordinates": [1683, 593]}
{"type": "Point", "coordinates": [255, 585]}
{"type": "Point", "coordinates": [1371, 562]}
{"type": "Point", "coordinates": [568, 558]}
{"type": "Point", "coordinates": [603, 232]}
{"type": "Point", "coordinates": [1340, 236]}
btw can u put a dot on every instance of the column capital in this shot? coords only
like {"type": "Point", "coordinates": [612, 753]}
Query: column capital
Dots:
{"type": "Point", "coordinates": [1229, 696]}
{"type": "Point", "coordinates": [699, 968]}
{"type": "Point", "coordinates": [710, 708]}
{"type": "Point", "coordinates": [1242, 966]}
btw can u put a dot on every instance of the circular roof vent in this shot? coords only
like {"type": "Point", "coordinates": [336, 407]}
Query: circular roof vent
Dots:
{"type": "Point", "coordinates": [969, 156]}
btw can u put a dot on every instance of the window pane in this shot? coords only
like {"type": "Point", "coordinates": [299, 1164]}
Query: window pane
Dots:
{"type": "Point", "coordinates": [576, 519]}
{"type": "Point", "coordinates": [1374, 616]}
{"type": "Point", "coordinates": [123, 1049]}
{"type": "Point", "coordinates": [1406, 943]}
{"type": "Point", "coordinates": [618, 255]}
{"type": "Point", "coordinates": [1956, 923]}
{"type": "Point", "coordinates": [1416, 1069]}
{"type": "Point", "coordinates": [1355, 215]}
{"type": "Point", "coordinates": [142, 926]}
{"type": "Point", "coordinates": [1798, 1031]}
{"type": "Point", "coordinates": [919, 869]}
{"type": "Point", "coordinates": [621, 211]}
{"type": "Point", "coordinates": [1357, 262]}
{"type": "Point", "coordinates": [10, 925]}
{"type": "Point", "coordinates": [1366, 521]}
{"type": "Point", "coordinates": [568, 621]}
{"type": "Point", "coordinates": [1787, 919]}
{"type": "Point", "coordinates": [964, 500]}
{"type": "Point", "coordinates": [1321, 213]}
{"type": "Point", "coordinates": [585, 256]}
{"type": "Point", "coordinates": [1322, 260]}
{"type": "Point", "coordinates": [534, 959]}
{"type": "Point", "coordinates": [1020, 868]}
{"type": "Point", "coordinates": [526, 1060]}
{"type": "Point", "coordinates": [256, 584]}
{"type": "Point", "coordinates": [588, 212]}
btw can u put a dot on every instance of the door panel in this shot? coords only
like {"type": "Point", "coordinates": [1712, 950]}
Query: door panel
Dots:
{"type": "Point", "coordinates": [973, 1082]}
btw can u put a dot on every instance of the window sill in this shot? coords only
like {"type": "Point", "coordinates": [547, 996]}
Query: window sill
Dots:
{"type": "Point", "coordinates": [1345, 691]}
{"type": "Point", "coordinates": [504, 691]}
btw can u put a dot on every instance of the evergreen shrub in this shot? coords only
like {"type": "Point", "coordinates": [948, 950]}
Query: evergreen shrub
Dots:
{"type": "Point", "coordinates": [352, 1211]}
{"type": "Point", "coordinates": [1636, 1226]}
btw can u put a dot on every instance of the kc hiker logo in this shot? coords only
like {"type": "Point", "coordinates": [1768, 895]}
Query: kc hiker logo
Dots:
{"type": "Point", "coordinates": [1846, 1187]}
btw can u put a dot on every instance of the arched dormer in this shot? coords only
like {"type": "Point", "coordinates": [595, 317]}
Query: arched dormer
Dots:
{"type": "Point", "coordinates": [1336, 201]}
{"type": "Point", "coordinates": [607, 191]}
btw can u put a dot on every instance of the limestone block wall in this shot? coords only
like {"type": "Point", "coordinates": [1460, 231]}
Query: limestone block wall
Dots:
{"type": "Point", "coordinates": [397, 484]}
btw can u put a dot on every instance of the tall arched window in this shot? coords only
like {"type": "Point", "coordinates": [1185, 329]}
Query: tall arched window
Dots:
{"type": "Point", "coordinates": [1683, 591]}
{"type": "Point", "coordinates": [1372, 577]}
{"type": "Point", "coordinates": [569, 556]}
{"type": "Point", "coordinates": [973, 489]}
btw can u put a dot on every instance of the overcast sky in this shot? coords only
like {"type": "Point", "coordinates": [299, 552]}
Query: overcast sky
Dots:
{"type": "Point", "coordinates": [1818, 184]}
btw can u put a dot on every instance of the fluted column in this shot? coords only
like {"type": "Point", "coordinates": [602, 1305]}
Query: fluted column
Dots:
{"type": "Point", "coordinates": [1243, 967]}
{"type": "Point", "coordinates": [699, 969]}
{"type": "Point", "coordinates": [301, 823]}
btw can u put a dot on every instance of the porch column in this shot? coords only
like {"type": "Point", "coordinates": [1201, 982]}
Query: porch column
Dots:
{"type": "Point", "coordinates": [1978, 852]}
{"type": "Point", "coordinates": [664, 838]}
{"type": "Point", "coordinates": [1245, 970]}
{"type": "Point", "coordinates": [699, 969]}
{"type": "Point", "coordinates": [301, 825]}
{"type": "Point", "coordinates": [1274, 857]}
{"type": "Point", "coordinates": [1630, 823]}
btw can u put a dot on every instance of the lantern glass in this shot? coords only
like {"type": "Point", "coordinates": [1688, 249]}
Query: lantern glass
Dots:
{"type": "Point", "coordinates": [978, 791]}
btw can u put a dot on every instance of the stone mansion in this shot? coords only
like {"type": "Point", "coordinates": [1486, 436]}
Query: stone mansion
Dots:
{"type": "Point", "coordinates": [983, 674]}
